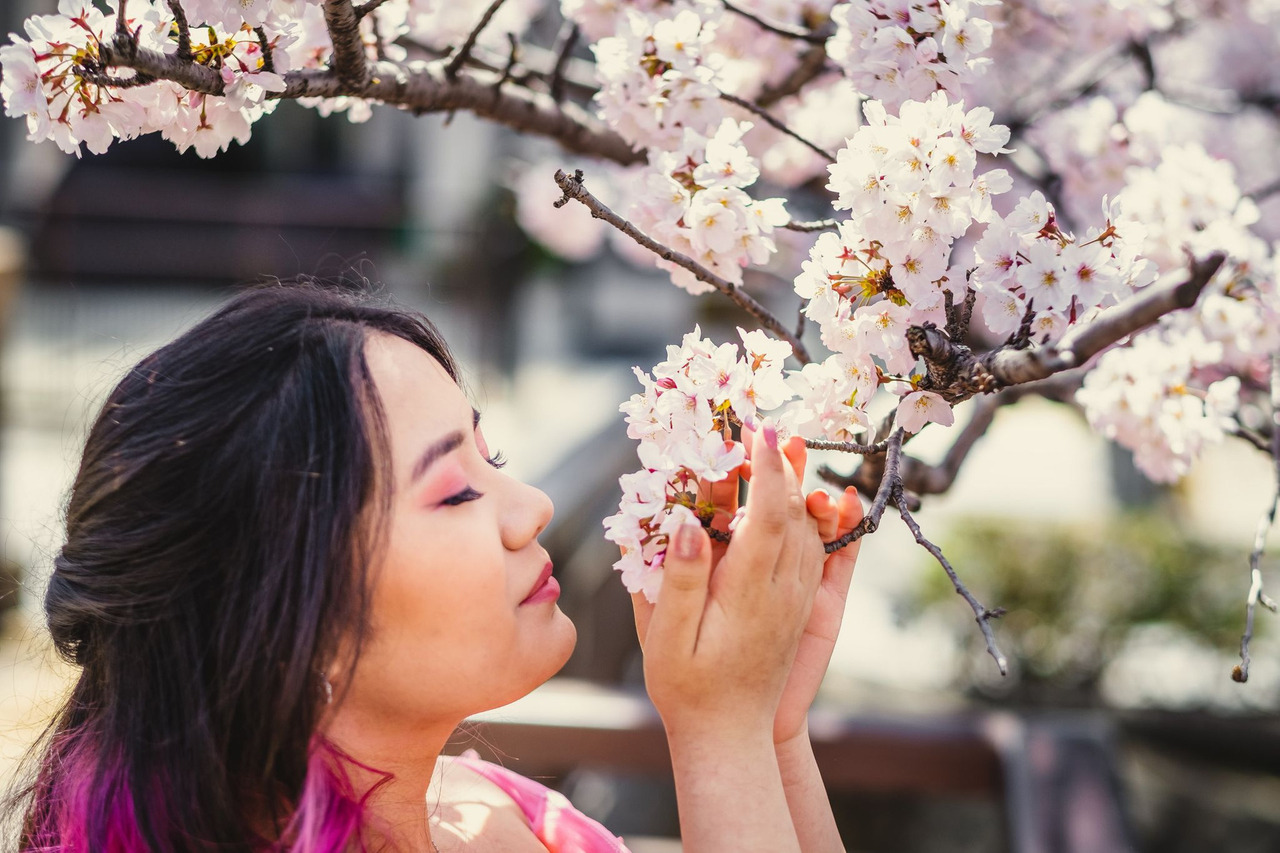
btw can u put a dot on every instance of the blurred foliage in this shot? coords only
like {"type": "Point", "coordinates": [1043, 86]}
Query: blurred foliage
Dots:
{"type": "Point", "coordinates": [1074, 592]}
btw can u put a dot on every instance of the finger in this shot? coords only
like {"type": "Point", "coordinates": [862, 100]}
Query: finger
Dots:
{"type": "Point", "coordinates": [642, 609]}
{"type": "Point", "coordinates": [840, 564]}
{"type": "Point", "coordinates": [802, 533]}
{"type": "Point", "coordinates": [760, 536]}
{"type": "Point", "coordinates": [825, 511]}
{"type": "Point", "coordinates": [686, 570]}
{"type": "Point", "coordinates": [797, 453]}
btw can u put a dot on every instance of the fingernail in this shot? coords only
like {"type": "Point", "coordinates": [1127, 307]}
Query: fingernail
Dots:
{"type": "Point", "coordinates": [771, 436]}
{"type": "Point", "coordinates": [687, 541]}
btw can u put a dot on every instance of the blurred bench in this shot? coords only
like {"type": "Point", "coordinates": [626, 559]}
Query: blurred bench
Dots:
{"type": "Point", "coordinates": [1053, 774]}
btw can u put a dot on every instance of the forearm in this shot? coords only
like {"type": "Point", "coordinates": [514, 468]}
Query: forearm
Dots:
{"type": "Point", "coordinates": [730, 794]}
{"type": "Point", "coordinates": [806, 794]}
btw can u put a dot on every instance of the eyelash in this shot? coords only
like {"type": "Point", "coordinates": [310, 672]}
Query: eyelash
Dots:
{"type": "Point", "coordinates": [467, 494]}
{"type": "Point", "coordinates": [497, 460]}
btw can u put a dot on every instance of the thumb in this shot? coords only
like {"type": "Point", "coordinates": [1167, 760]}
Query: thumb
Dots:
{"type": "Point", "coordinates": [686, 573]}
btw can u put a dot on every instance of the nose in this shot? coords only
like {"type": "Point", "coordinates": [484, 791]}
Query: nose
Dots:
{"type": "Point", "coordinates": [527, 514]}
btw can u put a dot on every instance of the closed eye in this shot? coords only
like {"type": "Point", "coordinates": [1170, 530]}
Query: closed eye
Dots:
{"type": "Point", "coordinates": [497, 460]}
{"type": "Point", "coordinates": [467, 494]}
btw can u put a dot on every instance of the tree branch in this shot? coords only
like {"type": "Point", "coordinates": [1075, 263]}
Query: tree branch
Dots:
{"type": "Point", "coordinates": [125, 53]}
{"type": "Point", "coordinates": [364, 9]}
{"type": "Point", "coordinates": [847, 446]}
{"type": "Point", "coordinates": [812, 63]}
{"type": "Point", "coordinates": [349, 60]}
{"type": "Point", "coordinates": [422, 87]}
{"type": "Point", "coordinates": [888, 464]}
{"type": "Point", "coordinates": [982, 615]}
{"type": "Point", "coordinates": [565, 41]}
{"type": "Point", "coordinates": [573, 189]}
{"type": "Point", "coordinates": [785, 30]}
{"type": "Point", "coordinates": [957, 374]}
{"type": "Point", "coordinates": [1256, 595]}
{"type": "Point", "coordinates": [455, 64]}
{"type": "Point", "coordinates": [777, 124]}
{"type": "Point", "coordinates": [184, 31]}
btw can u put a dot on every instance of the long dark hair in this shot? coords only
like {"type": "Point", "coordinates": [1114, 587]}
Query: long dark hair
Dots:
{"type": "Point", "coordinates": [220, 533]}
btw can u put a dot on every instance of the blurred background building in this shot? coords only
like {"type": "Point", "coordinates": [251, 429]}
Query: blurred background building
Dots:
{"type": "Point", "coordinates": [1127, 621]}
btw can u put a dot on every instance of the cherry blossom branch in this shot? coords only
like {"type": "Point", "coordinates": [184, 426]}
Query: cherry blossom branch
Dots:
{"type": "Point", "coordinates": [785, 30]}
{"type": "Point", "coordinates": [1265, 191]}
{"type": "Point", "coordinates": [349, 62]}
{"type": "Point", "coordinates": [184, 30]}
{"type": "Point", "coordinates": [957, 374]}
{"type": "Point", "coordinates": [422, 87]}
{"type": "Point", "coordinates": [847, 446]}
{"type": "Point", "coordinates": [455, 64]}
{"type": "Point", "coordinates": [573, 189]}
{"type": "Point", "coordinates": [268, 61]}
{"type": "Point", "coordinates": [777, 124]}
{"type": "Point", "coordinates": [125, 53]}
{"type": "Point", "coordinates": [1239, 430]}
{"type": "Point", "coordinates": [812, 63]}
{"type": "Point", "coordinates": [365, 9]}
{"type": "Point", "coordinates": [1256, 595]}
{"type": "Point", "coordinates": [565, 42]}
{"type": "Point", "coordinates": [889, 467]}
{"type": "Point", "coordinates": [982, 615]}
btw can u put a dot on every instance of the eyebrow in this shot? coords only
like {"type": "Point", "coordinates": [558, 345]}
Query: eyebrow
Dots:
{"type": "Point", "coordinates": [441, 448]}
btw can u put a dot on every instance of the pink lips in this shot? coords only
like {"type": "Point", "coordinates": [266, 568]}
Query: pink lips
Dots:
{"type": "Point", "coordinates": [546, 589]}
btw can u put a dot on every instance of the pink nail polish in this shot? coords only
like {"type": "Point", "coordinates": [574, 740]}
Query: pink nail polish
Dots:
{"type": "Point", "coordinates": [686, 542]}
{"type": "Point", "coordinates": [771, 436]}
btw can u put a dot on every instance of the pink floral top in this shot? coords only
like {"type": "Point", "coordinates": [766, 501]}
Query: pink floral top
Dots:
{"type": "Point", "coordinates": [558, 825]}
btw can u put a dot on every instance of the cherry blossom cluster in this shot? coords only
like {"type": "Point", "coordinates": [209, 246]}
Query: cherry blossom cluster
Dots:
{"type": "Point", "coordinates": [683, 420]}
{"type": "Point", "coordinates": [899, 50]}
{"type": "Point", "coordinates": [658, 76]}
{"type": "Point", "coordinates": [910, 187]}
{"type": "Point", "coordinates": [1143, 397]}
{"type": "Point", "coordinates": [44, 83]}
{"type": "Point", "coordinates": [1029, 270]}
{"type": "Point", "coordinates": [693, 200]}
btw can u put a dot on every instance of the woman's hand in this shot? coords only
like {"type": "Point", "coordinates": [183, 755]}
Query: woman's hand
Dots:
{"type": "Point", "coordinates": [813, 654]}
{"type": "Point", "coordinates": [720, 643]}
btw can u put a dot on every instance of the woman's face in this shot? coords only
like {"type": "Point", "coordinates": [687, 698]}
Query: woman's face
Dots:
{"type": "Point", "coordinates": [462, 616]}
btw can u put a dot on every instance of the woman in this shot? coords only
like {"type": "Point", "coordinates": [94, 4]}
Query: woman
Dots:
{"type": "Point", "coordinates": [293, 567]}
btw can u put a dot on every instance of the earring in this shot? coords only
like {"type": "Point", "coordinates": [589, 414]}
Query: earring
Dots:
{"type": "Point", "coordinates": [328, 688]}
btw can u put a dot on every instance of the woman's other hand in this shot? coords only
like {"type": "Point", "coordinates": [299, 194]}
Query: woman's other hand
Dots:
{"type": "Point", "coordinates": [721, 641]}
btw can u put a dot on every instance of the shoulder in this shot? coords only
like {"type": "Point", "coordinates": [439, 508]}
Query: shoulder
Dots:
{"type": "Point", "coordinates": [467, 809]}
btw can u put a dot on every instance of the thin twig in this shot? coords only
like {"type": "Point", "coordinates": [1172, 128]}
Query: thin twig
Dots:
{"type": "Point", "coordinates": [1256, 594]}
{"type": "Point", "coordinates": [982, 615]}
{"type": "Point", "coordinates": [801, 318]}
{"type": "Point", "coordinates": [889, 477]}
{"type": "Point", "coordinates": [122, 28]}
{"type": "Point", "coordinates": [813, 62]}
{"type": "Point", "coordinates": [184, 30]}
{"type": "Point", "coordinates": [455, 64]}
{"type": "Point", "coordinates": [364, 9]}
{"type": "Point", "coordinates": [785, 30]}
{"type": "Point", "coordinates": [514, 46]}
{"type": "Point", "coordinates": [1265, 191]}
{"type": "Point", "coordinates": [565, 41]}
{"type": "Point", "coordinates": [268, 61]}
{"type": "Point", "coordinates": [777, 124]}
{"type": "Point", "coordinates": [573, 189]}
{"type": "Point", "coordinates": [847, 446]}
{"type": "Point", "coordinates": [1258, 440]}
{"type": "Point", "coordinates": [815, 225]}
{"type": "Point", "coordinates": [349, 61]}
